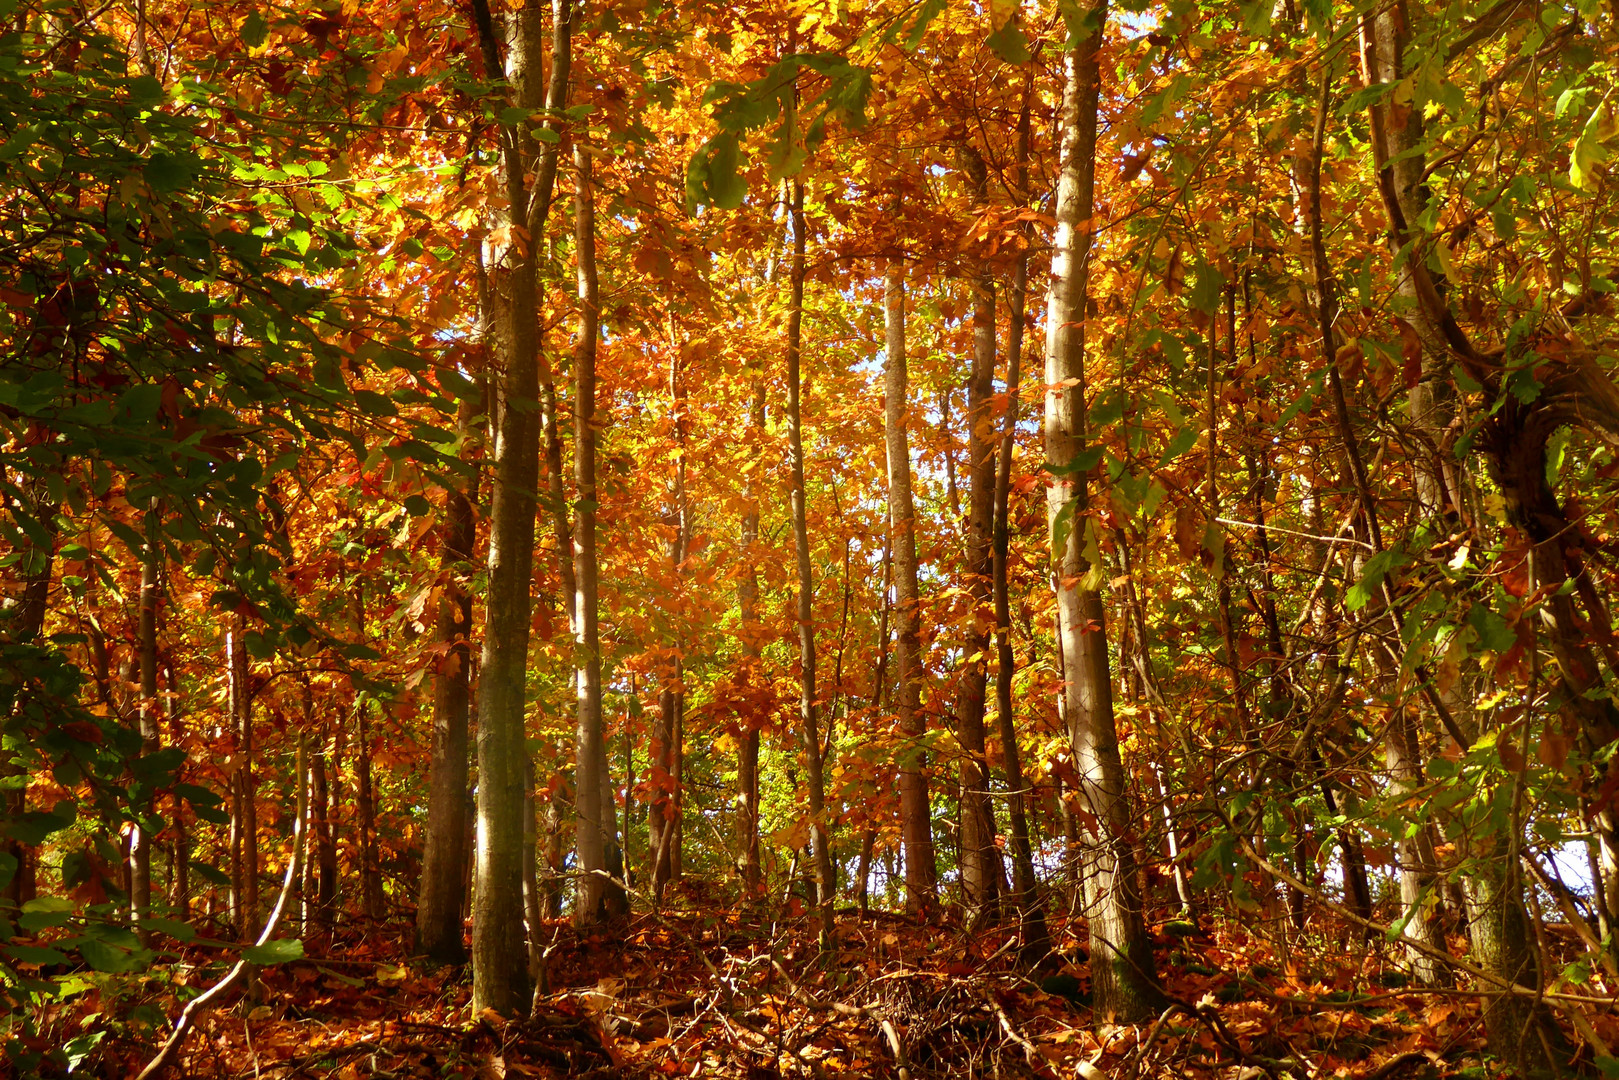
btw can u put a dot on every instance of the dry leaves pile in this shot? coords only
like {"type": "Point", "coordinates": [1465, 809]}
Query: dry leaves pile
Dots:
{"type": "Point", "coordinates": [734, 995]}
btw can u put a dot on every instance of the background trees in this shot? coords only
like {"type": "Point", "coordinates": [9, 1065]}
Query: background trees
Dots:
{"type": "Point", "coordinates": [1298, 580]}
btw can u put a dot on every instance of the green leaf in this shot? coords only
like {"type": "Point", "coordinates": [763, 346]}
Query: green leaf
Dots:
{"type": "Point", "coordinates": [1009, 43]}
{"type": "Point", "coordinates": [111, 958]}
{"type": "Point", "coordinates": [145, 91]}
{"type": "Point", "coordinates": [1256, 18]}
{"type": "Point", "coordinates": [80, 1047]}
{"type": "Point", "coordinates": [279, 951]}
{"type": "Point", "coordinates": [208, 873]}
{"type": "Point", "coordinates": [33, 954]}
{"type": "Point", "coordinates": [1184, 440]}
{"type": "Point", "coordinates": [171, 172]}
{"type": "Point", "coordinates": [1208, 288]}
{"type": "Point", "coordinates": [1589, 149]}
{"type": "Point", "coordinates": [1493, 632]}
{"type": "Point", "coordinates": [254, 30]}
{"type": "Point", "coordinates": [1061, 526]}
{"type": "Point", "coordinates": [725, 186]}
{"type": "Point", "coordinates": [1082, 463]}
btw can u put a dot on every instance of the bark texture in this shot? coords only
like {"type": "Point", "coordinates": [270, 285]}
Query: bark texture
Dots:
{"type": "Point", "coordinates": [809, 727]}
{"type": "Point", "coordinates": [1123, 981]}
{"type": "Point", "coordinates": [916, 824]}
{"type": "Point", "coordinates": [499, 960]}
{"type": "Point", "coordinates": [438, 906]}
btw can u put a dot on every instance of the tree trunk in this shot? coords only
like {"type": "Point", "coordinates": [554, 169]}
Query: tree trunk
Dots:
{"type": "Point", "coordinates": [533, 902]}
{"type": "Point", "coordinates": [1024, 898]}
{"type": "Point", "coordinates": [599, 896]}
{"type": "Point", "coordinates": [980, 858]}
{"type": "Point", "coordinates": [1123, 981]}
{"type": "Point", "coordinates": [916, 816]}
{"type": "Point", "coordinates": [366, 807]}
{"type": "Point", "coordinates": [499, 964]}
{"type": "Point", "coordinates": [747, 764]}
{"type": "Point", "coordinates": [664, 811]}
{"type": "Point", "coordinates": [438, 908]}
{"type": "Point", "coordinates": [29, 620]}
{"type": "Point", "coordinates": [245, 820]}
{"type": "Point", "coordinates": [1401, 754]}
{"type": "Point", "coordinates": [180, 844]}
{"type": "Point", "coordinates": [140, 840]}
{"type": "Point", "coordinates": [810, 730]}
{"type": "Point", "coordinates": [325, 849]}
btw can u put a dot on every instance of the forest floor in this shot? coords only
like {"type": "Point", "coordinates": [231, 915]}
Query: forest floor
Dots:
{"type": "Point", "coordinates": [732, 994]}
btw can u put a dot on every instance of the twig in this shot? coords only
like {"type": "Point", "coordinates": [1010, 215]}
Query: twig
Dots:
{"type": "Point", "coordinates": [1395, 1064]}
{"type": "Point", "coordinates": [197, 1005]}
{"type": "Point", "coordinates": [1030, 1054]}
{"type": "Point", "coordinates": [890, 1032]}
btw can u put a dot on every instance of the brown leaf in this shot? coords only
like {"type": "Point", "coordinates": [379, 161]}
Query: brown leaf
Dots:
{"type": "Point", "coordinates": [1411, 350]}
{"type": "Point", "coordinates": [1188, 530]}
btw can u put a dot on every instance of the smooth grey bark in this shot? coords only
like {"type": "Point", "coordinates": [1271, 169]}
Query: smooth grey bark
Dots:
{"type": "Point", "coordinates": [599, 896]}
{"type": "Point", "coordinates": [1123, 981]}
{"type": "Point", "coordinates": [916, 819]}
{"type": "Point", "coordinates": [807, 714]}
{"type": "Point", "coordinates": [499, 960]}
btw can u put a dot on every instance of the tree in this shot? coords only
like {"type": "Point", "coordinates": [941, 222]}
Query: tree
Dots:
{"type": "Point", "coordinates": [1122, 975]}
{"type": "Point", "coordinates": [980, 858]}
{"type": "Point", "coordinates": [499, 969]}
{"type": "Point", "coordinates": [601, 890]}
{"type": "Point", "coordinates": [916, 824]}
{"type": "Point", "coordinates": [809, 725]}
{"type": "Point", "coordinates": [439, 900]}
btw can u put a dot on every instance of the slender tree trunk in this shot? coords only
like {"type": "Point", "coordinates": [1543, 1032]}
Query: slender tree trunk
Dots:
{"type": "Point", "coordinates": [747, 767]}
{"type": "Point", "coordinates": [26, 622]}
{"type": "Point", "coordinates": [980, 858]}
{"type": "Point", "coordinates": [499, 965]}
{"type": "Point", "coordinates": [663, 814]}
{"type": "Point", "coordinates": [599, 897]}
{"type": "Point", "coordinates": [245, 823]}
{"type": "Point", "coordinates": [140, 841]}
{"type": "Point", "coordinates": [1400, 751]}
{"type": "Point", "coordinates": [366, 807]}
{"type": "Point", "coordinates": [1123, 981]}
{"type": "Point", "coordinates": [533, 901]}
{"type": "Point", "coordinates": [916, 815]}
{"type": "Point", "coordinates": [819, 826]}
{"type": "Point", "coordinates": [180, 845]}
{"type": "Point", "coordinates": [1024, 896]}
{"type": "Point", "coordinates": [325, 848]}
{"type": "Point", "coordinates": [438, 908]}
{"type": "Point", "coordinates": [948, 441]}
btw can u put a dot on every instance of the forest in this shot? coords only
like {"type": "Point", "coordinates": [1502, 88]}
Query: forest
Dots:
{"type": "Point", "coordinates": [894, 538]}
